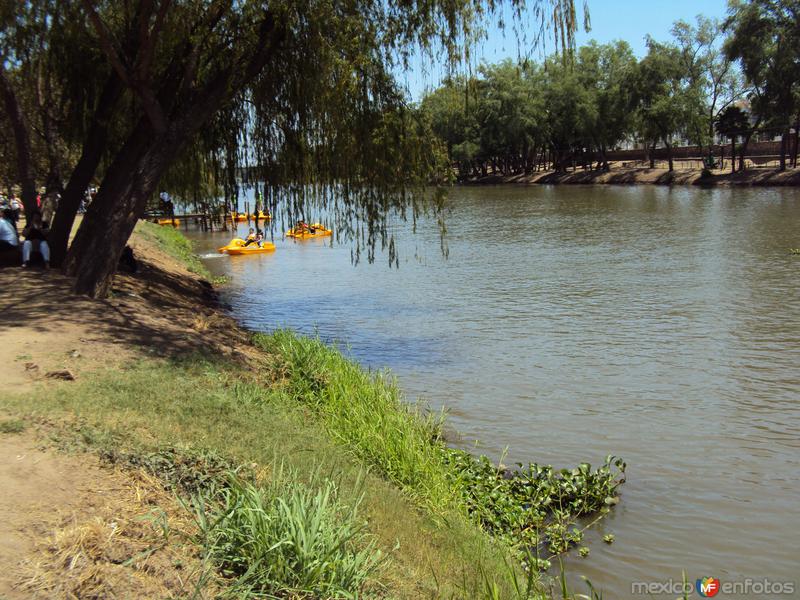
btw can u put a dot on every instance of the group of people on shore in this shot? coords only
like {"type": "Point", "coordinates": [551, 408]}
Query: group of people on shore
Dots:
{"type": "Point", "coordinates": [34, 232]}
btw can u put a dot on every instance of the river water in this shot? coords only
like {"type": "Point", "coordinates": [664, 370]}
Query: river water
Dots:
{"type": "Point", "coordinates": [661, 325]}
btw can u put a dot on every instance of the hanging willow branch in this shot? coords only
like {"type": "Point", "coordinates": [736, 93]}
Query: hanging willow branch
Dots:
{"type": "Point", "coordinates": [326, 130]}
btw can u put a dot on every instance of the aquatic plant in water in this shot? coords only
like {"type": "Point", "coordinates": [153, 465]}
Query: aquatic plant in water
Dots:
{"type": "Point", "coordinates": [536, 508]}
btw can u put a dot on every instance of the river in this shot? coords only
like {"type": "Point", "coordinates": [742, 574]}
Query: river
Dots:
{"type": "Point", "coordinates": [658, 324]}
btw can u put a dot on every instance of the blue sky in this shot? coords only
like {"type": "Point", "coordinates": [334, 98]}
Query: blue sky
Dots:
{"type": "Point", "coordinates": [629, 20]}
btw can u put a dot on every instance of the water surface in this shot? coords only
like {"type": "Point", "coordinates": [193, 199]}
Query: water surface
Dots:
{"type": "Point", "coordinates": [658, 324]}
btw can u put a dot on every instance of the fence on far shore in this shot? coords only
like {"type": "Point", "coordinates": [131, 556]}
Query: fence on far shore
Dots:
{"type": "Point", "coordinates": [758, 155]}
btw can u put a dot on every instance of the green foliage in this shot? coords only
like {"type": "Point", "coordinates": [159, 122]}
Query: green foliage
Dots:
{"type": "Point", "coordinates": [733, 122]}
{"type": "Point", "coordinates": [765, 38]}
{"type": "Point", "coordinates": [665, 103]}
{"type": "Point", "coordinates": [536, 506]}
{"type": "Point", "coordinates": [365, 411]}
{"type": "Point", "coordinates": [286, 539]}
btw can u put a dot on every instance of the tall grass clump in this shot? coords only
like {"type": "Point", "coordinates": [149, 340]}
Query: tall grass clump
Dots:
{"type": "Point", "coordinates": [366, 412]}
{"type": "Point", "coordinates": [286, 539]}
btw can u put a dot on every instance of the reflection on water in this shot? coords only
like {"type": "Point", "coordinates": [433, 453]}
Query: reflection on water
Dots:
{"type": "Point", "coordinates": [662, 325]}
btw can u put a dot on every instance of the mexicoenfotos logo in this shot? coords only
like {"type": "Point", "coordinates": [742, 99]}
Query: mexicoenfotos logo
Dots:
{"type": "Point", "coordinates": [707, 587]}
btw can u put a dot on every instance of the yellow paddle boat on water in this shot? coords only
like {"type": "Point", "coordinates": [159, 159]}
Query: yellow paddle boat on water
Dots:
{"type": "Point", "coordinates": [314, 230]}
{"type": "Point", "coordinates": [262, 216]}
{"type": "Point", "coordinates": [236, 247]}
{"type": "Point", "coordinates": [173, 222]}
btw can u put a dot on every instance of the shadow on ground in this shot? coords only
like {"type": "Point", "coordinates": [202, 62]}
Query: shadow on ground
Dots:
{"type": "Point", "coordinates": [167, 313]}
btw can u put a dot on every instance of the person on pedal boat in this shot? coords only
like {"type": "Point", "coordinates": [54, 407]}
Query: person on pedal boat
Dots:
{"type": "Point", "coordinates": [251, 237]}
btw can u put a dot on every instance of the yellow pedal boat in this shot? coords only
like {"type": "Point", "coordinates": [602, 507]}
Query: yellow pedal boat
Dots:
{"type": "Point", "coordinates": [173, 222]}
{"type": "Point", "coordinates": [236, 247]}
{"type": "Point", "coordinates": [234, 243]}
{"type": "Point", "coordinates": [252, 249]}
{"type": "Point", "coordinates": [304, 234]}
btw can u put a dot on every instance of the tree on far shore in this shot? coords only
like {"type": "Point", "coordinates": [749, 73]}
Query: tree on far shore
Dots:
{"type": "Point", "coordinates": [765, 39]}
{"type": "Point", "coordinates": [733, 122]}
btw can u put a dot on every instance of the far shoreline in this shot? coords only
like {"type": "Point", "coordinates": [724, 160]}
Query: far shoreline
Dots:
{"type": "Point", "coordinates": [646, 176]}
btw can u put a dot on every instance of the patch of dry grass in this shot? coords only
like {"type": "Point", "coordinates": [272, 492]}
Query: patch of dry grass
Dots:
{"type": "Point", "coordinates": [135, 545]}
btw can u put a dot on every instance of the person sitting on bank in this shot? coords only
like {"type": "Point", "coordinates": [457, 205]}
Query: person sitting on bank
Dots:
{"type": "Point", "coordinates": [9, 241]}
{"type": "Point", "coordinates": [35, 238]}
{"type": "Point", "coordinates": [251, 237]}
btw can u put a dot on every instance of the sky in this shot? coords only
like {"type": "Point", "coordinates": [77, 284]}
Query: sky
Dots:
{"type": "Point", "coordinates": [629, 20]}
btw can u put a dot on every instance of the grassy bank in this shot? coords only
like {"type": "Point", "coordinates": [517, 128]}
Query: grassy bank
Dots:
{"type": "Point", "coordinates": [200, 405]}
{"type": "Point", "coordinates": [354, 491]}
{"type": "Point", "coordinates": [174, 243]}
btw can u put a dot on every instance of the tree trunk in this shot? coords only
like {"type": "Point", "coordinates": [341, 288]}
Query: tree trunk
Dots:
{"type": "Point", "coordinates": [23, 143]}
{"type": "Point", "coordinates": [733, 154]}
{"type": "Point", "coordinates": [669, 155]}
{"type": "Point", "coordinates": [653, 156]}
{"type": "Point", "coordinates": [796, 141]}
{"type": "Point", "coordinates": [784, 144]}
{"type": "Point", "coordinates": [129, 183]}
{"type": "Point", "coordinates": [93, 148]}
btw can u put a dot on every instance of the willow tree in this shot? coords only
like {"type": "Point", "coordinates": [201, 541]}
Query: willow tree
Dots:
{"type": "Point", "coordinates": [310, 84]}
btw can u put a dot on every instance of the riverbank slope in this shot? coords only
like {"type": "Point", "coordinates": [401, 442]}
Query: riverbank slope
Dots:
{"type": "Point", "coordinates": [158, 377]}
{"type": "Point", "coordinates": [619, 175]}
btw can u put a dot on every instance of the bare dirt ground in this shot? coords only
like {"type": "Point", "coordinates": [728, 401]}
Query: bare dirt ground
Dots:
{"type": "Point", "coordinates": [162, 310]}
{"type": "Point", "coordinates": [70, 528]}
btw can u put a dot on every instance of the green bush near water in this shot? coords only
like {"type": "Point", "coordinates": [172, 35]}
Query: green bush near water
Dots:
{"type": "Point", "coordinates": [365, 411]}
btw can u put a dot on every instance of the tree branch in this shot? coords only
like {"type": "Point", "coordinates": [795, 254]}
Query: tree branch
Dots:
{"type": "Point", "coordinates": [138, 83]}
{"type": "Point", "coordinates": [107, 43]}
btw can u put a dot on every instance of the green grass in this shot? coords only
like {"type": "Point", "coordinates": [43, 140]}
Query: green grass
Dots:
{"type": "Point", "coordinates": [203, 407]}
{"type": "Point", "coordinates": [12, 426]}
{"type": "Point", "coordinates": [174, 243]}
{"type": "Point", "coordinates": [535, 510]}
{"type": "Point", "coordinates": [365, 412]}
{"type": "Point", "coordinates": [287, 539]}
